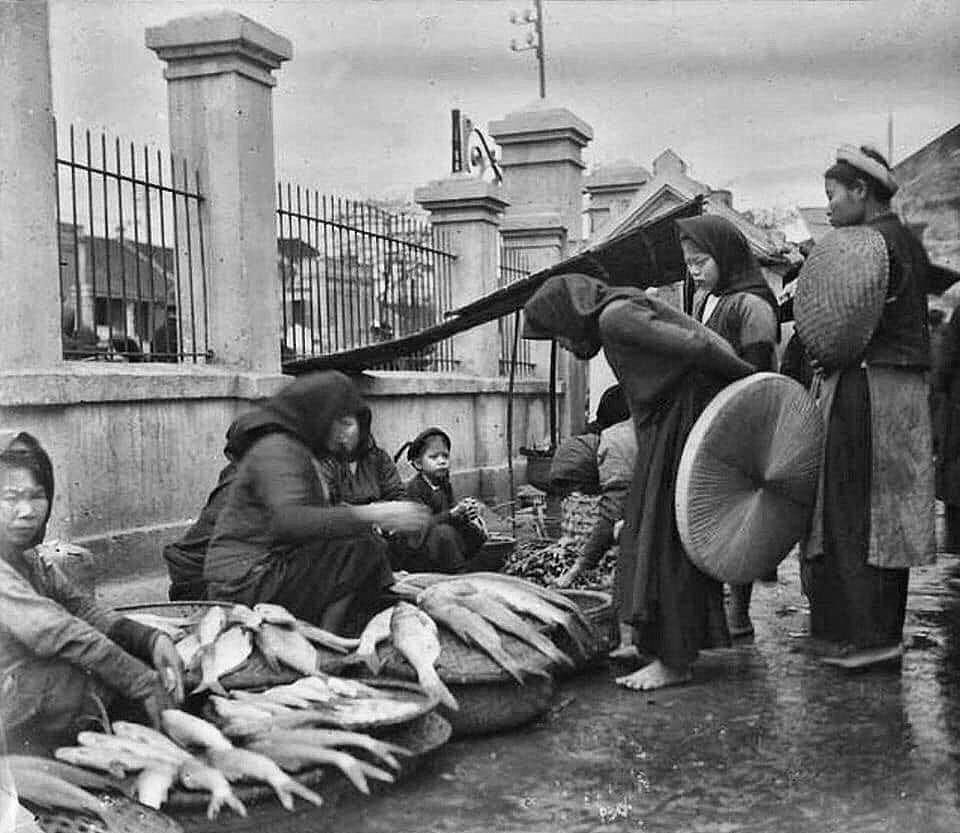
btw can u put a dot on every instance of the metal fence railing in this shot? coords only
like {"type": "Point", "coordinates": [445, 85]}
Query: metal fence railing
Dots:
{"type": "Point", "coordinates": [354, 274]}
{"type": "Point", "coordinates": [513, 267]}
{"type": "Point", "coordinates": [132, 270]}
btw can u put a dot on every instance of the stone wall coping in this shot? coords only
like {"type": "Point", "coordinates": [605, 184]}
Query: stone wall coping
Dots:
{"type": "Point", "coordinates": [211, 44]}
{"type": "Point", "coordinates": [540, 123]}
{"type": "Point", "coordinates": [88, 382]}
{"type": "Point", "coordinates": [533, 221]}
{"type": "Point", "coordinates": [461, 192]}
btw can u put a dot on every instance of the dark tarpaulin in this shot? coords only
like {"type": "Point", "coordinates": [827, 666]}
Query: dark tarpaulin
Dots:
{"type": "Point", "coordinates": [648, 255]}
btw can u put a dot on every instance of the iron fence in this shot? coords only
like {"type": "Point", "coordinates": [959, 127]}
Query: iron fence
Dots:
{"type": "Point", "coordinates": [513, 267]}
{"type": "Point", "coordinates": [353, 274]}
{"type": "Point", "coordinates": [132, 270]}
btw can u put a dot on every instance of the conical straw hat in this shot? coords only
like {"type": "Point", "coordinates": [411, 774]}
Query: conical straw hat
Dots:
{"type": "Point", "coordinates": [748, 477]}
{"type": "Point", "coordinates": [840, 294]}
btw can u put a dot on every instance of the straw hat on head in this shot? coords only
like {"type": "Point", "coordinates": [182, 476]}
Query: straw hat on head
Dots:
{"type": "Point", "coordinates": [748, 477]}
{"type": "Point", "coordinates": [841, 291]}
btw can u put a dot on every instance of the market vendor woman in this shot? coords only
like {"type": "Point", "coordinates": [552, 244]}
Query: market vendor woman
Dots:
{"type": "Point", "coordinates": [280, 536]}
{"type": "Point", "coordinates": [58, 646]}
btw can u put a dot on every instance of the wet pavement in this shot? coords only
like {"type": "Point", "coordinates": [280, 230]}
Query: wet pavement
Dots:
{"type": "Point", "coordinates": [765, 739]}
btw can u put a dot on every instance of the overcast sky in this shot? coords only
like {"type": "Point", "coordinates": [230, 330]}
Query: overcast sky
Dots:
{"type": "Point", "coordinates": [754, 95]}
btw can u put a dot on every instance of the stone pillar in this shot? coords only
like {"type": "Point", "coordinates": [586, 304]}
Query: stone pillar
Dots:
{"type": "Point", "coordinates": [611, 189]}
{"type": "Point", "coordinates": [468, 210]}
{"type": "Point", "coordinates": [220, 82]}
{"type": "Point", "coordinates": [542, 162]}
{"type": "Point", "coordinates": [29, 256]}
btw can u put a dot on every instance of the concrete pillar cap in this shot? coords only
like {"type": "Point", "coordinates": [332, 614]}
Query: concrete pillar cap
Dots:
{"type": "Point", "coordinates": [541, 121]}
{"type": "Point", "coordinates": [212, 44]}
{"type": "Point", "coordinates": [460, 193]}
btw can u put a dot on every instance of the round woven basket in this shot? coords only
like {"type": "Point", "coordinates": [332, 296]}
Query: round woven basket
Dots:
{"type": "Point", "coordinates": [840, 295]}
{"type": "Point", "coordinates": [748, 477]}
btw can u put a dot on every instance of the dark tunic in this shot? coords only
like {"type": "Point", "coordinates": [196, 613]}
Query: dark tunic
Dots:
{"type": "Point", "coordinates": [279, 538]}
{"type": "Point", "coordinates": [851, 601]}
{"type": "Point", "coordinates": [449, 543]}
{"type": "Point", "coordinates": [670, 366]}
{"type": "Point", "coordinates": [375, 477]}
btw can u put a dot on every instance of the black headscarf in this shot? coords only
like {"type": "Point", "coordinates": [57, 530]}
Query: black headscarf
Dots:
{"type": "Point", "coordinates": [570, 306]}
{"type": "Point", "coordinates": [306, 408]}
{"type": "Point", "coordinates": [725, 243]}
{"type": "Point", "coordinates": [20, 443]}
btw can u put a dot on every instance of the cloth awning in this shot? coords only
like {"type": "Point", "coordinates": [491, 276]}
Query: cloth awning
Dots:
{"type": "Point", "coordinates": [648, 255]}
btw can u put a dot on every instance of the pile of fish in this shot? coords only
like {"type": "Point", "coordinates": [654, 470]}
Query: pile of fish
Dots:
{"type": "Point", "coordinates": [222, 640]}
{"type": "Point", "coordinates": [543, 563]}
{"type": "Point", "coordinates": [477, 609]}
{"type": "Point", "coordinates": [196, 755]}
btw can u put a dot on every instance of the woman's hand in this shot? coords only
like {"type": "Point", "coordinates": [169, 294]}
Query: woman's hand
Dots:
{"type": "Point", "coordinates": [166, 660]}
{"type": "Point", "coordinates": [156, 702]}
{"type": "Point", "coordinates": [404, 516]}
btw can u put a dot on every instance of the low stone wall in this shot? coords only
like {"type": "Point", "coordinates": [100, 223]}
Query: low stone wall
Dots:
{"type": "Point", "coordinates": [136, 449]}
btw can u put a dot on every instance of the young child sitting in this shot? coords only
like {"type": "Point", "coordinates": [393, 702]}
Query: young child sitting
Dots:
{"type": "Point", "coordinates": [457, 532]}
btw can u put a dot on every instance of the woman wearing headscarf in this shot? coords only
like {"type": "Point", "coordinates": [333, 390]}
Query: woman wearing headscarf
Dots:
{"type": "Point", "coordinates": [874, 517]}
{"type": "Point", "coordinates": [733, 299]}
{"type": "Point", "coordinates": [58, 647]}
{"type": "Point", "coordinates": [670, 366]}
{"type": "Point", "coordinates": [280, 537]}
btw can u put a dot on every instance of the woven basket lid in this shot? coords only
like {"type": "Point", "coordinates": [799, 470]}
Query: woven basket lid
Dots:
{"type": "Point", "coordinates": [748, 477]}
{"type": "Point", "coordinates": [840, 294]}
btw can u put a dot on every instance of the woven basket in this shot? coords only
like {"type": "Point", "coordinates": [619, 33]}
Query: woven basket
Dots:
{"type": "Point", "coordinates": [486, 708]}
{"type": "Point", "coordinates": [748, 477]}
{"type": "Point", "coordinates": [840, 295]}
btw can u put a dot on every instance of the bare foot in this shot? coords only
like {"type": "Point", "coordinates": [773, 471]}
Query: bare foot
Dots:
{"type": "Point", "coordinates": [655, 675]}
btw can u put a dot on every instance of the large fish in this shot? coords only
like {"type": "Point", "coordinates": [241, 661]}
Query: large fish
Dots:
{"type": "Point", "coordinates": [188, 730]}
{"type": "Point", "coordinates": [78, 776]}
{"type": "Point", "coordinates": [194, 774]}
{"type": "Point", "coordinates": [545, 593]}
{"type": "Point", "coordinates": [99, 758]}
{"type": "Point", "coordinates": [236, 710]}
{"type": "Point", "coordinates": [275, 614]}
{"type": "Point", "coordinates": [340, 644]}
{"type": "Point", "coordinates": [470, 628]}
{"type": "Point", "coordinates": [211, 624]}
{"type": "Point", "coordinates": [381, 749]}
{"type": "Point", "coordinates": [237, 764]}
{"type": "Point", "coordinates": [261, 702]}
{"type": "Point", "coordinates": [296, 756]}
{"type": "Point", "coordinates": [376, 631]}
{"type": "Point", "coordinates": [150, 738]}
{"type": "Point", "coordinates": [229, 651]}
{"type": "Point", "coordinates": [242, 615]}
{"type": "Point", "coordinates": [153, 784]}
{"type": "Point", "coordinates": [414, 635]}
{"type": "Point", "coordinates": [189, 650]}
{"type": "Point", "coordinates": [45, 790]}
{"type": "Point", "coordinates": [287, 646]}
{"type": "Point", "coordinates": [501, 616]}
{"type": "Point", "coordinates": [131, 750]}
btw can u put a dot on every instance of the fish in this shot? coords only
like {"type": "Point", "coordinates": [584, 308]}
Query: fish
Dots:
{"type": "Point", "coordinates": [211, 624]}
{"type": "Point", "coordinates": [189, 650]}
{"type": "Point", "coordinates": [237, 764]}
{"type": "Point", "coordinates": [275, 614]}
{"type": "Point", "coordinates": [352, 689]}
{"type": "Point", "coordinates": [522, 601]}
{"type": "Point", "coordinates": [153, 784]}
{"type": "Point", "coordinates": [129, 750]}
{"type": "Point", "coordinates": [149, 737]}
{"type": "Point", "coordinates": [229, 651]}
{"type": "Point", "coordinates": [99, 758]}
{"type": "Point", "coordinates": [414, 635]}
{"type": "Point", "coordinates": [470, 628]}
{"type": "Point", "coordinates": [188, 730]}
{"type": "Point", "coordinates": [383, 750]}
{"type": "Point", "coordinates": [234, 710]}
{"type": "Point", "coordinates": [174, 627]}
{"type": "Point", "coordinates": [78, 776]}
{"type": "Point", "coordinates": [46, 790]}
{"type": "Point", "coordinates": [376, 631]}
{"type": "Point", "coordinates": [285, 697]}
{"type": "Point", "coordinates": [340, 644]}
{"type": "Point", "coordinates": [194, 774]}
{"type": "Point", "coordinates": [242, 615]}
{"type": "Point", "coordinates": [545, 593]}
{"type": "Point", "coordinates": [293, 649]}
{"type": "Point", "coordinates": [261, 702]}
{"type": "Point", "coordinates": [502, 617]}
{"type": "Point", "coordinates": [315, 689]}
{"type": "Point", "coordinates": [296, 756]}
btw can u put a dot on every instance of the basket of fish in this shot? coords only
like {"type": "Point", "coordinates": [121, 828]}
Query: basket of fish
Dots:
{"type": "Point", "coordinates": [482, 643]}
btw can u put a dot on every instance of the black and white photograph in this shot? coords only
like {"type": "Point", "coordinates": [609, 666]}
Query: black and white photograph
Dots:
{"type": "Point", "coordinates": [452, 416]}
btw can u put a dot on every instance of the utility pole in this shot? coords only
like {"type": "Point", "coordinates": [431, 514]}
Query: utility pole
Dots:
{"type": "Point", "coordinates": [534, 39]}
{"type": "Point", "coordinates": [890, 140]}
